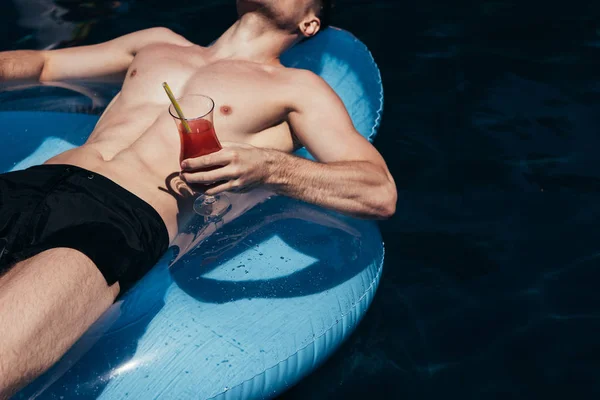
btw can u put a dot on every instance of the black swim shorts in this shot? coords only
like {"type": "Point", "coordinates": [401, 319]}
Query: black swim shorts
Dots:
{"type": "Point", "coordinates": [52, 206]}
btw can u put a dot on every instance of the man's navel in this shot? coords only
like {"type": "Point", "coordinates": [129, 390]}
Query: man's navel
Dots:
{"type": "Point", "coordinates": [133, 73]}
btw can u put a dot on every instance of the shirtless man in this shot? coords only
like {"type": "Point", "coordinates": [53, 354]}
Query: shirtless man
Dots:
{"type": "Point", "coordinates": [90, 222]}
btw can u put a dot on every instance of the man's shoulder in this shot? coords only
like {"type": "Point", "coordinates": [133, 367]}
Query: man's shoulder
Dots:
{"type": "Point", "coordinates": [166, 34]}
{"type": "Point", "coordinates": [302, 79]}
{"type": "Point", "coordinates": [303, 87]}
{"type": "Point", "coordinates": [156, 36]}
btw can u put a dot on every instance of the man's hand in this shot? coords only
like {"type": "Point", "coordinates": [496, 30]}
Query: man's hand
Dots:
{"type": "Point", "coordinates": [236, 168]}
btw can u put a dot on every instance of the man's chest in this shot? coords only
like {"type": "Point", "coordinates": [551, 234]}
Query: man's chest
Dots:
{"type": "Point", "coordinates": [246, 95]}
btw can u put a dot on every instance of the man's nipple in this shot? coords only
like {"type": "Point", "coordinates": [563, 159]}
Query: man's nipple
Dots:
{"type": "Point", "coordinates": [226, 110]}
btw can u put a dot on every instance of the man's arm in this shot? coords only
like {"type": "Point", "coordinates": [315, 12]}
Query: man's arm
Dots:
{"type": "Point", "coordinates": [92, 61]}
{"type": "Point", "coordinates": [350, 175]}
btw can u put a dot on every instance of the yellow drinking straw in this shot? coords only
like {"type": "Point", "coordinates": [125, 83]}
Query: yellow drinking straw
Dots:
{"type": "Point", "coordinates": [177, 108]}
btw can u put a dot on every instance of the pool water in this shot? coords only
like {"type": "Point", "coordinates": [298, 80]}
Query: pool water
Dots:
{"type": "Point", "coordinates": [491, 124]}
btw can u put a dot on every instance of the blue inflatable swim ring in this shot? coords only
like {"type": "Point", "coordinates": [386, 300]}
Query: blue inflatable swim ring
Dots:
{"type": "Point", "coordinates": [257, 305]}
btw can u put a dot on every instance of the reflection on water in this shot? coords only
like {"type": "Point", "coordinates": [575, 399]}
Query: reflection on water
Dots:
{"type": "Point", "coordinates": [50, 24]}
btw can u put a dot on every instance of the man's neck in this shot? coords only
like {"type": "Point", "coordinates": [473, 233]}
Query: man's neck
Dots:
{"type": "Point", "coordinates": [253, 38]}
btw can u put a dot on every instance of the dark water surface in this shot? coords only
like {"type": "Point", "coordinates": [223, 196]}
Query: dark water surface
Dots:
{"type": "Point", "coordinates": [491, 128]}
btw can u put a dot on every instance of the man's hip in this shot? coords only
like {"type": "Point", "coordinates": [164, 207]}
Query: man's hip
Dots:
{"type": "Point", "coordinates": [53, 206]}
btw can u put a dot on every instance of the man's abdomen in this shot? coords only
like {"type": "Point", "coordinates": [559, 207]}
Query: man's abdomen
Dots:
{"type": "Point", "coordinates": [133, 173]}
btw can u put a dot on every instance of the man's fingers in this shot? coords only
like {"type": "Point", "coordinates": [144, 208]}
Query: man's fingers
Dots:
{"type": "Point", "coordinates": [226, 145]}
{"type": "Point", "coordinates": [183, 189]}
{"type": "Point", "coordinates": [230, 186]}
{"type": "Point", "coordinates": [235, 186]}
{"type": "Point", "coordinates": [219, 158]}
{"type": "Point", "coordinates": [219, 174]}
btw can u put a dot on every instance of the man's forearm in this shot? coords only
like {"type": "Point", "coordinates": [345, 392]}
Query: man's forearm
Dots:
{"type": "Point", "coordinates": [359, 188]}
{"type": "Point", "coordinates": [21, 65]}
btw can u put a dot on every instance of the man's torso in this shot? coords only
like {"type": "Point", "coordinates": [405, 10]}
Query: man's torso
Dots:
{"type": "Point", "coordinates": [136, 143]}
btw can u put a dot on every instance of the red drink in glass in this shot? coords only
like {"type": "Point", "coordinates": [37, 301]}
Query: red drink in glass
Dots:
{"type": "Point", "coordinates": [201, 141]}
{"type": "Point", "coordinates": [198, 141]}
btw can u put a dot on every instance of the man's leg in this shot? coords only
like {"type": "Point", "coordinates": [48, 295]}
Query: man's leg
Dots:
{"type": "Point", "coordinates": [46, 303]}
